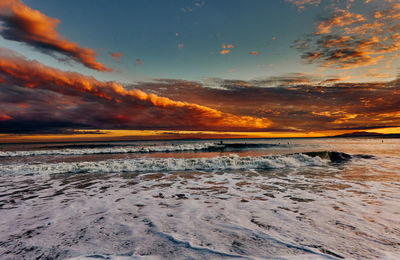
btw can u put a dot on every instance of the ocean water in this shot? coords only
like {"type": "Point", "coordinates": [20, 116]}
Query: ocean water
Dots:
{"type": "Point", "coordinates": [200, 199]}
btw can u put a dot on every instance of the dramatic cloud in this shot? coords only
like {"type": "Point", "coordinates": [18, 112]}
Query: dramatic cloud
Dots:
{"type": "Point", "coordinates": [34, 96]}
{"type": "Point", "coordinates": [294, 102]}
{"type": "Point", "coordinates": [23, 24]}
{"type": "Point", "coordinates": [350, 40]}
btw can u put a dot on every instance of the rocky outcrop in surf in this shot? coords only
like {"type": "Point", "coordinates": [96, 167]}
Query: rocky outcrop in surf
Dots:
{"type": "Point", "coordinates": [335, 157]}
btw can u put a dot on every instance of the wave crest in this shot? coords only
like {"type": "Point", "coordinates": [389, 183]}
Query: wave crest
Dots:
{"type": "Point", "coordinates": [112, 150]}
{"type": "Point", "coordinates": [232, 162]}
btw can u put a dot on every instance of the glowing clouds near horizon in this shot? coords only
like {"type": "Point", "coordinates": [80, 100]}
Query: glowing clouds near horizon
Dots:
{"type": "Point", "coordinates": [297, 103]}
{"type": "Point", "coordinates": [81, 100]}
{"type": "Point", "coordinates": [23, 24]}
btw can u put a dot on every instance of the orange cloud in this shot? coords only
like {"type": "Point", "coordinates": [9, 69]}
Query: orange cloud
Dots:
{"type": "Point", "coordinates": [23, 105]}
{"type": "Point", "coordinates": [23, 24]}
{"type": "Point", "coordinates": [4, 117]}
{"type": "Point", "coordinates": [116, 55]}
{"type": "Point", "coordinates": [139, 61]}
{"type": "Point", "coordinates": [339, 19]}
{"type": "Point", "coordinates": [128, 107]}
{"type": "Point", "coordinates": [226, 48]}
{"type": "Point", "coordinates": [374, 74]}
{"type": "Point", "coordinates": [225, 51]}
{"type": "Point", "coordinates": [348, 40]}
{"type": "Point", "coordinates": [305, 102]}
{"type": "Point", "coordinates": [301, 4]}
{"type": "Point", "coordinates": [254, 53]}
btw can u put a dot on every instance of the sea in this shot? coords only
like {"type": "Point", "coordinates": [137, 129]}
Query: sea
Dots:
{"type": "Point", "coordinates": [322, 198]}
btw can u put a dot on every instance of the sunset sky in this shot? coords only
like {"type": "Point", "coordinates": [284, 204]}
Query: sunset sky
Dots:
{"type": "Point", "coordinates": [143, 69]}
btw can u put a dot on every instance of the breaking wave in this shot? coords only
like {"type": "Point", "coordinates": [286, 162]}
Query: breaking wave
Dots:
{"type": "Point", "coordinates": [112, 150]}
{"type": "Point", "coordinates": [232, 162]}
{"type": "Point", "coordinates": [107, 149]}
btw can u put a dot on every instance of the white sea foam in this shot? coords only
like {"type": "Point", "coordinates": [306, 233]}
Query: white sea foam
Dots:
{"type": "Point", "coordinates": [232, 162]}
{"type": "Point", "coordinates": [324, 210]}
{"type": "Point", "coordinates": [112, 150]}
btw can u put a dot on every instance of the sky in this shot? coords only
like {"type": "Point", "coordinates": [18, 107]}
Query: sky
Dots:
{"type": "Point", "coordinates": [198, 68]}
